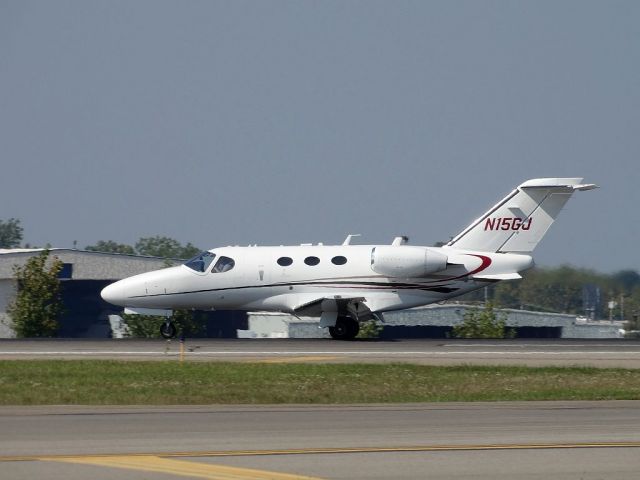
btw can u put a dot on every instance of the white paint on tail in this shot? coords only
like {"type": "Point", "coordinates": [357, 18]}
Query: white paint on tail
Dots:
{"type": "Point", "coordinates": [518, 222]}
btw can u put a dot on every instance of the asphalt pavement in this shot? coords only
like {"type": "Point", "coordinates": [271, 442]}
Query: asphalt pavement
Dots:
{"type": "Point", "coordinates": [570, 440]}
{"type": "Point", "coordinates": [597, 353]}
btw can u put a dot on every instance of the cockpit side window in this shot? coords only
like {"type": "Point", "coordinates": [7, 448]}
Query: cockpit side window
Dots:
{"type": "Point", "coordinates": [224, 264]}
{"type": "Point", "coordinates": [201, 262]}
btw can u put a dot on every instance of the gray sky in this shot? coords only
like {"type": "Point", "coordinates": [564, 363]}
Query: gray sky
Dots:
{"type": "Point", "coordinates": [286, 122]}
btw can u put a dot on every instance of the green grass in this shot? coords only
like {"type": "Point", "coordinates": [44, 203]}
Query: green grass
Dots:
{"type": "Point", "coordinates": [96, 382]}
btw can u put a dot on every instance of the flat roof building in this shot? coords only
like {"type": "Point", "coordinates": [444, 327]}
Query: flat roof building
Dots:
{"type": "Point", "coordinates": [83, 276]}
{"type": "Point", "coordinates": [437, 321]}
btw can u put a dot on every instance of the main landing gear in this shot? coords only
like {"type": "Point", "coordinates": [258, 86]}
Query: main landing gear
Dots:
{"type": "Point", "coordinates": [346, 328]}
{"type": "Point", "coordinates": [168, 330]}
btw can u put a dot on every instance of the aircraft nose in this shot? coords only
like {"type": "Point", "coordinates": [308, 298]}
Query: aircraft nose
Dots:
{"type": "Point", "coordinates": [114, 293]}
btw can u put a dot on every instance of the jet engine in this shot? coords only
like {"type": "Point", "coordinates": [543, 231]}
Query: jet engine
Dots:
{"type": "Point", "coordinates": [407, 261]}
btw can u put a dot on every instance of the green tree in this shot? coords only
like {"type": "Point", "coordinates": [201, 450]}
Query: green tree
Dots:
{"type": "Point", "coordinates": [507, 294]}
{"type": "Point", "coordinates": [157, 246]}
{"type": "Point", "coordinates": [189, 323]}
{"type": "Point", "coordinates": [166, 247]}
{"type": "Point", "coordinates": [632, 307]}
{"type": "Point", "coordinates": [10, 233]}
{"type": "Point", "coordinates": [38, 303]}
{"type": "Point", "coordinates": [143, 326]}
{"type": "Point", "coordinates": [563, 289]}
{"type": "Point", "coordinates": [557, 290]}
{"type": "Point", "coordinates": [370, 329]}
{"type": "Point", "coordinates": [109, 246]}
{"type": "Point", "coordinates": [632, 327]}
{"type": "Point", "coordinates": [632, 313]}
{"type": "Point", "coordinates": [483, 323]}
{"type": "Point", "coordinates": [626, 280]}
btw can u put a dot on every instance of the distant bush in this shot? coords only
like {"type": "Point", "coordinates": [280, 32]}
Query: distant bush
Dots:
{"type": "Point", "coordinates": [370, 329]}
{"type": "Point", "coordinates": [483, 323]}
{"type": "Point", "coordinates": [632, 327]}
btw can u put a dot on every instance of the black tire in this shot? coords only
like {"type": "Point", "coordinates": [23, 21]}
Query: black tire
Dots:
{"type": "Point", "coordinates": [168, 330]}
{"type": "Point", "coordinates": [345, 329]}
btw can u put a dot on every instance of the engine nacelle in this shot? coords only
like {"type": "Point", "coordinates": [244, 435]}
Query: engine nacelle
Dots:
{"type": "Point", "coordinates": [407, 261]}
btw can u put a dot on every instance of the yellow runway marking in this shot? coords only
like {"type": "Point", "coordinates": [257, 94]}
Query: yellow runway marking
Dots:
{"type": "Point", "coordinates": [179, 467]}
{"type": "Point", "coordinates": [418, 448]}
{"type": "Point", "coordinates": [298, 359]}
{"type": "Point", "coordinates": [310, 451]}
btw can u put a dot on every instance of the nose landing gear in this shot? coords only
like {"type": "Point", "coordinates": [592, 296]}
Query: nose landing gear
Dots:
{"type": "Point", "coordinates": [168, 330]}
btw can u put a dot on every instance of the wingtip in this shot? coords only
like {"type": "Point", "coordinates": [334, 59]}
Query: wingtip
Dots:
{"type": "Point", "coordinates": [586, 186]}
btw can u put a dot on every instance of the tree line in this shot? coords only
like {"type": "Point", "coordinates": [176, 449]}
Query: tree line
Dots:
{"type": "Point", "coordinates": [157, 246]}
{"type": "Point", "coordinates": [568, 289]}
{"type": "Point", "coordinates": [11, 236]}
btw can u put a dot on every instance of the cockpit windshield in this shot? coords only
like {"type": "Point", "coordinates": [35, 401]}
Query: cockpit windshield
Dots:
{"type": "Point", "coordinates": [201, 262]}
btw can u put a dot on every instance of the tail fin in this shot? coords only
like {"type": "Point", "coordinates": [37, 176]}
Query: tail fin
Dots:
{"type": "Point", "coordinates": [519, 221]}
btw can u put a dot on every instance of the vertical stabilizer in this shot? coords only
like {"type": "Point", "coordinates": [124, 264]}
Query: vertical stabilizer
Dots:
{"type": "Point", "coordinates": [519, 221]}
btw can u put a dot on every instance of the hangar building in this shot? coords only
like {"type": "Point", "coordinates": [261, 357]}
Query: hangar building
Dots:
{"type": "Point", "coordinates": [83, 275]}
{"type": "Point", "coordinates": [437, 321]}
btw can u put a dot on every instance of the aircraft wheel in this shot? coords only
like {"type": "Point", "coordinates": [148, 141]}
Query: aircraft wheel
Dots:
{"type": "Point", "coordinates": [168, 330]}
{"type": "Point", "coordinates": [345, 329]}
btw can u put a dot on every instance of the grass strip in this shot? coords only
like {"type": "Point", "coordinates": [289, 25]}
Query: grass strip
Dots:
{"type": "Point", "coordinates": [98, 382]}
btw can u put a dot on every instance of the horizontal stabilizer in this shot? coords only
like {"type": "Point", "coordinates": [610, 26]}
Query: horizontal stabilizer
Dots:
{"type": "Point", "coordinates": [570, 183]}
{"type": "Point", "coordinates": [499, 276]}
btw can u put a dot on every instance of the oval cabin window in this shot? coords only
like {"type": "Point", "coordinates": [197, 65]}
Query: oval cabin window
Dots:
{"type": "Point", "coordinates": [312, 261]}
{"type": "Point", "coordinates": [339, 260]}
{"type": "Point", "coordinates": [284, 261]}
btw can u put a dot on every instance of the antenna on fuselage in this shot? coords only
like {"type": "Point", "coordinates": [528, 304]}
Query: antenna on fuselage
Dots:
{"type": "Point", "coordinates": [347, 241]}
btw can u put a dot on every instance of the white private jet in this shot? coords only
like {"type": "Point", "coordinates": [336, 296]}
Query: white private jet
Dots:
{"type": "Point", "coordinates": [347, 284]}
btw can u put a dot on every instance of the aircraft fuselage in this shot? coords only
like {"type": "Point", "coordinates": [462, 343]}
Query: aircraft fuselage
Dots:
{"type": "Point", "coordinates": [258, 282]}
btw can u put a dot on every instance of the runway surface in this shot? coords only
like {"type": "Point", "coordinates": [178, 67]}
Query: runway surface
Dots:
{"type": "Point", "coordinates": [535, 440]}
{"type": "Point", "coordinates": [598, 353]}
{"type": "Point", "coordinates": [560, 440]}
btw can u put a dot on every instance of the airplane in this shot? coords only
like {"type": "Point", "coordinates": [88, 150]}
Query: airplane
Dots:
{"type": "Point", "coordinates": [347, 284]}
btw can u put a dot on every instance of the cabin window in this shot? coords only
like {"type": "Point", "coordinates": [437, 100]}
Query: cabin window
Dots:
{"type": "Point", "coordinates": [224, 264]}
{"type": "Point", "coordinates": [312, 261]}
{"type": "Point", "coordinates": [285, 261]}
{"type": "Point", "coordinates": [201, 262]}
{"type": "Point", "coordinates": [339, 260]}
